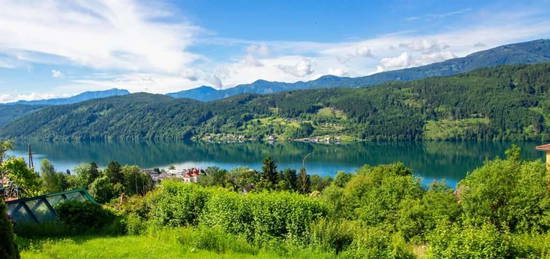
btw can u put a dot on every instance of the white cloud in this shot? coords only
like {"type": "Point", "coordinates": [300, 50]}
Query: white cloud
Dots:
{"type": "Point", "coordinates": [7, 98]}
{"type": "Point", "coordinates": [99, 34]}
{"type": "Point", "coordinates": [302, 68]}
{"type": "Point", "coordinates": [130, 45]}
{"type": "Point", "coordinates": [57, 74]}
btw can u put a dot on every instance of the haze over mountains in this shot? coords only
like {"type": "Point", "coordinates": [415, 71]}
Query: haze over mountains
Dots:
{"type": "Point", "coordinates": [11, 111]}
{"type": "Point", "coordinates": [536, 51]}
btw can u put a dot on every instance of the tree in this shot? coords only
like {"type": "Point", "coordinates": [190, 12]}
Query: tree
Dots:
{"type": "Point", "coordinates": [136, 182]}
{"type": "Point", "coordinates": [52, 181]}
{"type": "Point", "coordinates": [4, 147]}
{"type": "Point", "coordinates": [304, 184]}
{"type": "Point", "coordinates": [8, 248]}
{"type": "Point", "coordinates": [25, 178]}
{"type": "Point", "coordinates": [287, 180]}
{"type": "Point", "coordinates": [114, 172]}
{"type": "Point", "coordinates": [102, 189]}
{"type": "Point", "coordinates": [94, 171]}
{"type": "Point", "coordinates": [269, 171]}
{"type": "Point", "coordinates": [342, 178]}
{"type": "Point", "coordinates": [84, 176]}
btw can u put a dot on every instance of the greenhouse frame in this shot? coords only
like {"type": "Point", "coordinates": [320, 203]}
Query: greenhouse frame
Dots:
{"type": "Point", "coordinates": [40, 209]}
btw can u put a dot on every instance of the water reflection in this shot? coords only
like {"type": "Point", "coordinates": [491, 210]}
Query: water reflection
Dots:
{"type": "Point", "coordinates": [430, 160]}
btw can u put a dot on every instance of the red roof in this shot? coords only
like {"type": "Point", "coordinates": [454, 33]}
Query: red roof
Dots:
{"type": "Point", "coordinates": [543, 147]}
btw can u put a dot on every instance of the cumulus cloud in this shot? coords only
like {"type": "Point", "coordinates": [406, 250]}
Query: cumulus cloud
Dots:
{"type": "Point", "coordinates": [57, 74]}
{"type": "Point", "coordinates": [300, 69]}
{"type": "Point", "coordinates": [424, 45]}
{"type": "Point", "coordinates": [126, 44]}
{"type": "Point", "coordinates": [99, 33]}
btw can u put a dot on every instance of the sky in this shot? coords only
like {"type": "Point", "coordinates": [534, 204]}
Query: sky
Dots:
{"type": "Point", "coordinates": [58, 48]}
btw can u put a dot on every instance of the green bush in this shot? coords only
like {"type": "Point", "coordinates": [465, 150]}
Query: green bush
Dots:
{"type": "Point", "coordinates": [468, 241]}
{"type": "Point", "coordinates": [375, 193]}
{"type": "Point", "coordinates": [262, 216]}
{"type": "Point", "coordinates": [531, 245]}
{"type": "Point", "coordinates": [46, 229]}
{"type": "Point", "coordinates": [177, 203]}
{"type": "Point", "coordinates": [8, 248]}
{"type": "Point", "coordinates": [416, 217]}
{"type": "Point", "coordinates": [331, 235]}
{"type": "Point", "coordinates": [511, 193]}
{"type": "Point", "coordinates": [84, 215]}
{"type": "Point", "coordinates": [376, 242]}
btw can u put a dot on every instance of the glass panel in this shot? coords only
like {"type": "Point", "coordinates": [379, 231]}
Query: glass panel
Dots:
{"type": "Point", "coordinates": [75, 196]}
{"type": "Point", "coordinates": [43, 213]}
{"type": "Point", "coordinates": [21, 215]}
{"type": "Point", "coordinates": [54, 200]}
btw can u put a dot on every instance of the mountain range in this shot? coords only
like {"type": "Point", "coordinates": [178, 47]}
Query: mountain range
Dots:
{"type": "Point", "coordinates": [509, 102]}
{"type": "Point", "coordinates": [530, 52]}
{"type": "Point", "coordinates": [12, 111]}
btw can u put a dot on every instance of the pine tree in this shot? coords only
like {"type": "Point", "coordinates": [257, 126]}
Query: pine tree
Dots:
{"type": "Point", "coordinates": [269, 170]}
{"type": "Point", "coordinates": [114, 172]}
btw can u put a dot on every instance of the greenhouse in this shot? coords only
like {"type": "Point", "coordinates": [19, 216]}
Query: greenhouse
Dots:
{"type": "Point", "coordinates": [40, 209]}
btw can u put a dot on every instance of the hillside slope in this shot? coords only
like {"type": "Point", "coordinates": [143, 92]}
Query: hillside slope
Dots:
{"type": "Point", "coordinates": [530, 52]}
{"type": "Point", "coordinates": [502, 103]}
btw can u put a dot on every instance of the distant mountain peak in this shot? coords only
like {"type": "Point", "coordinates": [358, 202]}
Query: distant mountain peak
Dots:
{"type": "Point", "coordinates": [536, 51]}
{"type": "Point", "coordinates": [85, 96]}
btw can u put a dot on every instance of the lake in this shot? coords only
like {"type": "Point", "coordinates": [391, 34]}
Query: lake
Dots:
{"type": "Point", "coordinates": [429, 160]}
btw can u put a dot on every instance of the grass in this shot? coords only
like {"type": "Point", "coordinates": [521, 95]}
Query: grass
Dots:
{"type": "Point", "coordinates": [170, 243]}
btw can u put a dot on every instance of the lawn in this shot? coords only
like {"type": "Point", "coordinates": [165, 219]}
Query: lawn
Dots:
{"type": "Point", "coordinates": [165, 244]}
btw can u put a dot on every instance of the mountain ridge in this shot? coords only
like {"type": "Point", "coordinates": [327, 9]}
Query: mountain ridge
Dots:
{"type": "Point", "coordinates": [501, 103]}
{"type": "Point", "coordinates": [536, 51]}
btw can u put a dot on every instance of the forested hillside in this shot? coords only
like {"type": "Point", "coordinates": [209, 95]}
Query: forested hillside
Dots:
{"type": "Point", "coordinates": [502, 103]}
{"type": "Point", "coordinates": [10, 112]}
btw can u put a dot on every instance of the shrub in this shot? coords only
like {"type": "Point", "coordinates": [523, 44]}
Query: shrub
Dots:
{"type": "Point", "coordinates": [8, 248]}
{"type": "Point", "coordinates": [375, 193]}
{"type": "Point", "coordinates": [416, 217]}
{"type": "Point", "coordinates": [331, 235]}
{"type": "Point", "coordinates": [46, 229]}
{"type": "Point", "coordinates": [84, 215]}
{"type": "Point", "coordinates": [468, 242]}
{"type": "Point", "coordinates": [177, 203]}
{"type": "Point", "coordinates": [375, 242]}
{"type": "Point", "coordinates": [263, 216]}
{"type": "Point", "coordinates": [531, 246]}
{"type": "Point", "coordinates": [510, 193]}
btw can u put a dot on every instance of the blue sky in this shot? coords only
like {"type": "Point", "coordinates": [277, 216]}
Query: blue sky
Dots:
{"type": "Point", "coordinates": [58, 48]}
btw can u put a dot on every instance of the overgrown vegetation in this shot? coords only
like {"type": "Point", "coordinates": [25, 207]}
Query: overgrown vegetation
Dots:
{"type": "Point", "coordinates": [493, 104]}
{"type": "Point", "coordinates": [500, 210]}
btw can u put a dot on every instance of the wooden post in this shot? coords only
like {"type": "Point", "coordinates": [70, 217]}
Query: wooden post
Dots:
{"type": "Point", "coordinates": [546, 148]}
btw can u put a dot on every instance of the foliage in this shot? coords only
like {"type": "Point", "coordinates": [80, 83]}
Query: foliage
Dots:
{"type": "Point", "coordinates": [103, 189]}
{"type": "Point", "coordinates": [52, 181]}
{"type": "Point", "coordinates": [497, 103]}
{"type": "Point", "coordinates": [8, 248]}
{"type": "Point", "coordinates": [83, 215]}
{"type": "Point", "coordinates": [263, 216]}
{"type": "Point", "coordinates": [331, 235]}
{"type": "Point", "coordinates": [178, 204]}
{"type": "Point", "coordinates": [25, 178]}
{"type": "Point", "coordinates": [375, 194]}
{"type": "Point", "coordinates": [468, 241]}
{"type": "Point", "coordinates": [508, 193]}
